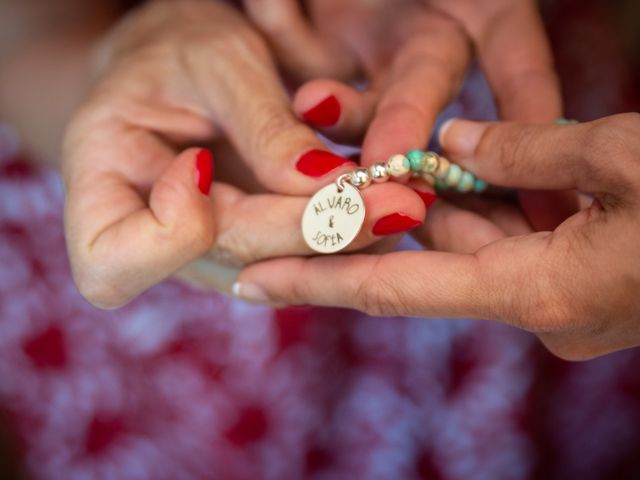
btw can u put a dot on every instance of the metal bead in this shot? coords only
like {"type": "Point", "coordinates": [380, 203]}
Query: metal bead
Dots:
{"type": "Point", "coordinates": [443, 168]}
{"type": "Point", "coordinates": [398, 165]}
{"type": "Point", "coordinates": [431, 162]}
{"type": "Point", "coordinates": [360, 178]}
{"type": "Point", "coordinates": [378, 172]}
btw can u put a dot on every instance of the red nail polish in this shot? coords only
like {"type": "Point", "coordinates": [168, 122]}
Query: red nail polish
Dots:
{"type": "Point", "coordinates": [427, 198]}
{"type": "Point", "coordinates": [395, 223]}
{"type": "Point", "coordinates": [316, 163]}
{"type": "Point", "coordinates": [324, 114]}
{"type": "Point", "coordinates": [204, 166]}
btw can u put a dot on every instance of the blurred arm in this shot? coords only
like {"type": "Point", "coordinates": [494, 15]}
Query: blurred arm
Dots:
{"type": "Point", "coordinates": [45, 52]}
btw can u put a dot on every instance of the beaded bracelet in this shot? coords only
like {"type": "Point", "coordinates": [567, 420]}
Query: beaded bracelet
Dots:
{"type": "Point", "coordinates": [335, 214]}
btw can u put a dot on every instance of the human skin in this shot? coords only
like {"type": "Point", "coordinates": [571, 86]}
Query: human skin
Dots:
{"type": "Point", "coordinates": [237, 217]}
{"type": "Point", "coordinates": [576, 287]}
{"type": "Point", "coordinates": [185, 73]}
{"type": "Point", "coordinates": [414, 55]}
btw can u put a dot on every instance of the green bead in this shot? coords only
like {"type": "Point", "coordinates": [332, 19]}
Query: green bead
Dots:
{"type": "Point", "coordinates": [565, 121]}
{"type": "Point", "coordinates": [466, 182]}
{"type": "Point", "coordinates": [416, 160]}
{"type": "Point", "coordinates": [441, 185]}
{"type": "Point", "coordinates": [479, 186]}
{"type": "Point", "coordinates": [453, 175]}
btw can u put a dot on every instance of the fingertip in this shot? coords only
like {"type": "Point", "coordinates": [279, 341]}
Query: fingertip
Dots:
{"type": "Point", "coordinates": [443, 131]}
{"type": "Point", "coordinates": [339, 110]}
{"type": "Point", "coordinates": [461, 137]}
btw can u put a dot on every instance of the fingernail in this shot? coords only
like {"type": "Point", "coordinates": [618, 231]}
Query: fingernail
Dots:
{"type": "Point", "coordinates": [250, 292]}
{"type": "Point", "coordinates": [324, 114]}
{"type": "Point", "coordinates": [316, 163]}
{"type": "Point", "coordinates": [461, 137]}
{"type": "Point", "coordinates": [395, 223]}
{"type": "Point", "coordinates": [204, 167]}
{"type": "Point", "coordinates": [426, 197]}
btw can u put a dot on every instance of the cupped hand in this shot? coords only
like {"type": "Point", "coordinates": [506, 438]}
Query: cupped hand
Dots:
{"type": "Point", "coordinates": [576, 286]}
{"type": "Point", "coordinates": [176, 74]}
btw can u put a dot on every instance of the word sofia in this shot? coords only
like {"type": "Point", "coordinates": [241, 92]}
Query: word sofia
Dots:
{"type": "Point", "coordinates": [339, 205]}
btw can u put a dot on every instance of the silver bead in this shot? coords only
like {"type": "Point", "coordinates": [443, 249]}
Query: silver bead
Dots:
{"type": "Point", "coordinates": [378, 172]}
{"type": "Point", "coordinates": [360, 178]}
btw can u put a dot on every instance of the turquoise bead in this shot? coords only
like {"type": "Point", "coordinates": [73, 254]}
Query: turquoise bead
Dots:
{"type": "Point", "coordinates": [416, 160]}
{"type": "Point", "coordinates": [565, 121]}
{"type": "Point", "coordinates": [479, 186]}
{"type": "Point", "coordinates": [441, 185]}
{"type": "Point", "coordinates": [453, 175]}
{"type": "Point", "coordinates": [466, 182]}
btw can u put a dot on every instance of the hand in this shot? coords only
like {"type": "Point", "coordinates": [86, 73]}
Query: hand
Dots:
{"type": "Point", "coordinates": [182, 73]}
{"type": "Point", "coordinates": [415, 55]}
{"type": "Point", "coordinates": [575, 287]}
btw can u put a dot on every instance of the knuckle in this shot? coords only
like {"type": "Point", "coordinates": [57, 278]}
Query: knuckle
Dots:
{"type": "Point", "coordinates": [609, 139]}
{"type": "Point", "coordinates": [378, 295]}
{"type": "Point", "coordinates": [273, 126]}
{"type": "Point", "coordinates": [97, 286]}
{"type": "Point", "coordinates": [513, 148]}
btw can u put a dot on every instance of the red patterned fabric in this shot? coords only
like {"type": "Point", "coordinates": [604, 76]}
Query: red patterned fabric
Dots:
{"type": "Point", "coordinates": [183, 384]}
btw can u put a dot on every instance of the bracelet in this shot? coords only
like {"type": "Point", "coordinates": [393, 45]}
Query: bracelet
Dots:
{"type": "Point", "coordinates": [334, 216]}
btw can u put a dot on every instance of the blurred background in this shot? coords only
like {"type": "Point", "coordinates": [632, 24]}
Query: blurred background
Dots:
{"type": "Point", "coordinates": [185, 384]}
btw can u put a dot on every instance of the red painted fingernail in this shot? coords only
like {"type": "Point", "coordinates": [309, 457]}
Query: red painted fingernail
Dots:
{"type": "Point", "coordinates": [324, 114]}
{"type": "Point", "coordinates": [395, 223]}
{"type": "Point", "coordinates": [204, 166]}
{"type": "Point", "coordinates": [427, 198]}
{"type": "Point", "coordinates": [316, 163]}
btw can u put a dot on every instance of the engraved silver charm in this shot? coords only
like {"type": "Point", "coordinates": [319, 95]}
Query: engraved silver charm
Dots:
{"type": "Point", "coordinates": [333, 217]}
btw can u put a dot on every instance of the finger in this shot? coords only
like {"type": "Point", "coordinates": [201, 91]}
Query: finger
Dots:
{"type": "Point", "coordinates": [453, 229]}
{"type": "Point", "coordinates": [298, 46]}
{"type": "Point", "coordinates": [391, 209]}
{"type": "Point", "coordinates": [254, 111]}
{"type": "Point", "coordinates": [426, 73]}
{"type": "Point", "coordinates": [497, 282]}
{"type": "Point", "coordinates": [547, 157]}
{"type": "Point", "coordinates": [120, 246]}
{"type": "Point", "coordinates": [341, 112]}
{"type": "Point", "coordinates": [522, 76]}
{"type": "Point", "coordinates": [502, 212]}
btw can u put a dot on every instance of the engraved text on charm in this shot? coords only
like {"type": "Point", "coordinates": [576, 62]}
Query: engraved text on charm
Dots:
{"type": "Point", "coordinates": [333, 218]}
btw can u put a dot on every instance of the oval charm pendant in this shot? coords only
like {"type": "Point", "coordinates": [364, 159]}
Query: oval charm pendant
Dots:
{"type": "Point", "coordinates": [333, 218]}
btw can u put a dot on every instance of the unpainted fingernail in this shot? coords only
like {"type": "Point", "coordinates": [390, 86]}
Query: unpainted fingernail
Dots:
{"type": "Point", "coordinates": [461, 137]}
{"type": "Point", "coordinates": [250, 292]}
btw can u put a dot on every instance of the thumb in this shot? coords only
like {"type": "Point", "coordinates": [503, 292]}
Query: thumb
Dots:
{"type": "Point", "coordinates": [146, 244]}
{"type": "Point", "coordinates": [536, 157]}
